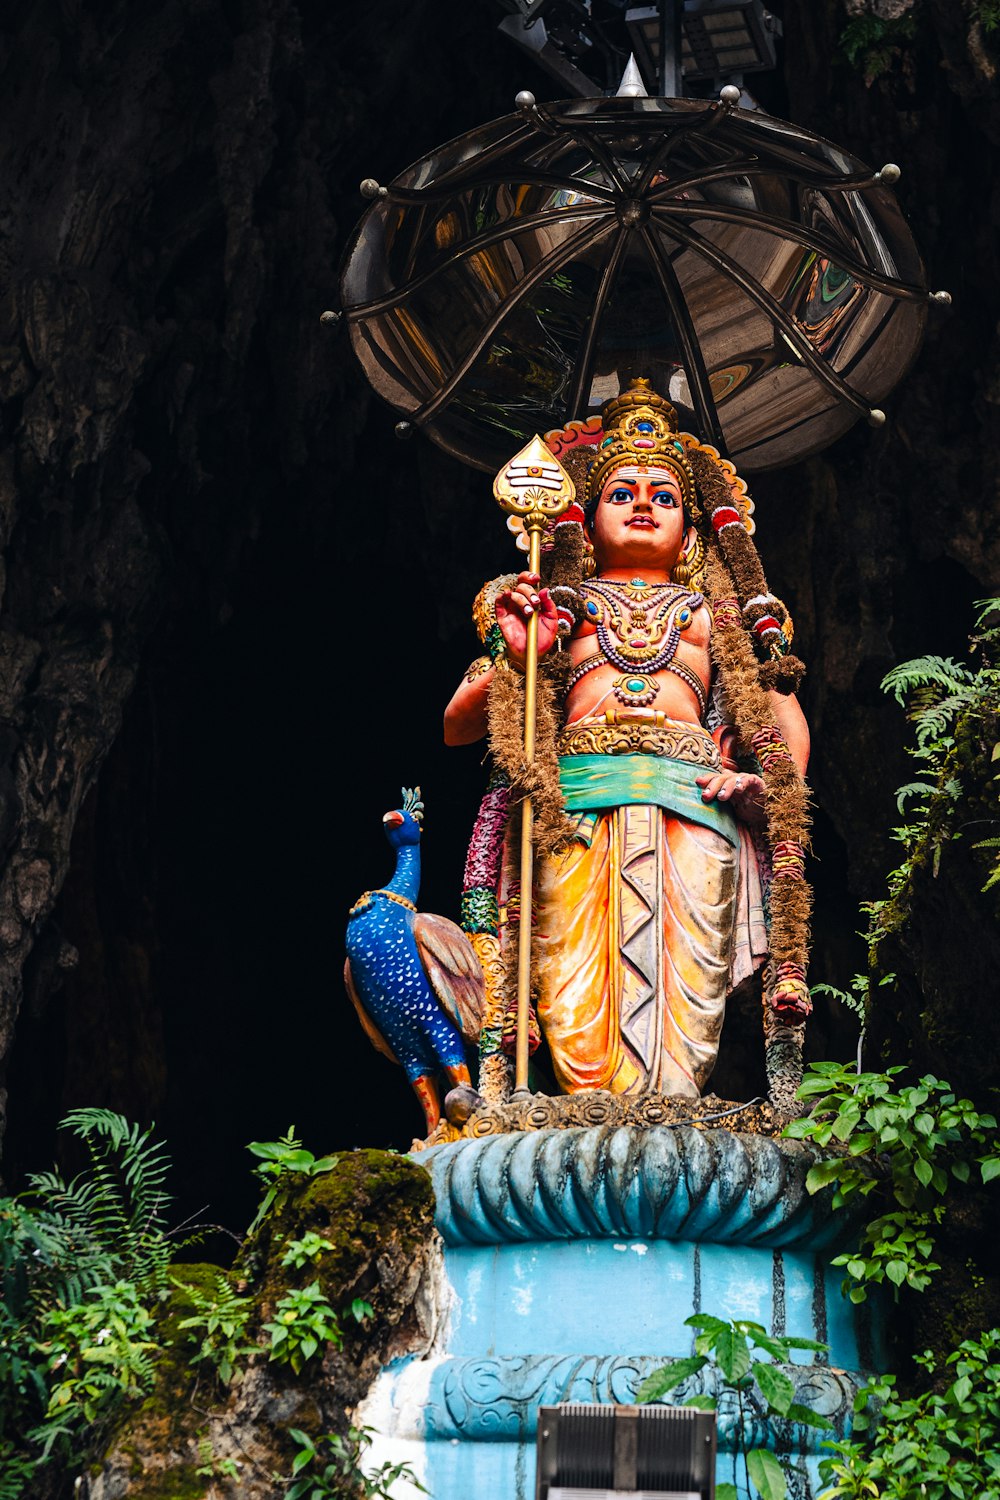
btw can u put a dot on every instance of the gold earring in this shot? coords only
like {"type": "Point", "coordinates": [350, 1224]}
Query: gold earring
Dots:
{"type": "Point", "coordinates": [681, 571]}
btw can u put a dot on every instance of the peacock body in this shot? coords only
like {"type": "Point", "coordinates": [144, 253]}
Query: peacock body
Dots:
{"type": "Point", "coordinates": [413, 977]}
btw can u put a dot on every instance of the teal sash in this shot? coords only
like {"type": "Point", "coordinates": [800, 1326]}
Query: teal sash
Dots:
{"type": "Point", "coordinates": [594, 783]}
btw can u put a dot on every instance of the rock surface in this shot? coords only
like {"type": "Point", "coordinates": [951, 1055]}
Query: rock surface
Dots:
{"type": "Point", "coordinates": [377, 1210]}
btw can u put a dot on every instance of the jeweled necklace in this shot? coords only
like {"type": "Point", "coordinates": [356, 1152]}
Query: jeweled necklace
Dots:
{"type": "Point", "coordinates": [639, 625]}
{"type": "Point", "coordinates": [646, 621]}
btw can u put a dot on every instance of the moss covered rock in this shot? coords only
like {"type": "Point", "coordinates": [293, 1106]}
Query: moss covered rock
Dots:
{"type": "Point", "coordinates": [192, 1436]}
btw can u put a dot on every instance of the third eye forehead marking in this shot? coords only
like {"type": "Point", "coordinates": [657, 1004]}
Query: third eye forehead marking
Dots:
{"type": "Point", "coordinates": [630, 477]}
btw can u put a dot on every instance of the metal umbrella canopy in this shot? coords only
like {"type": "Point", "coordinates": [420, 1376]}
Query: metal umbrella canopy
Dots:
{"type": "Point", "coordinates": [521, 275]}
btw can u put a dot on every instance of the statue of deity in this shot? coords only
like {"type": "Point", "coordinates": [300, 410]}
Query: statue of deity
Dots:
{"type": "Point", "coordinates": [670, 771]}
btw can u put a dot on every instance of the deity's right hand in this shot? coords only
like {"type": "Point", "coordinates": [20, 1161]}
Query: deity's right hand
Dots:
{"type": "Point", "coordinates": [515, 607]}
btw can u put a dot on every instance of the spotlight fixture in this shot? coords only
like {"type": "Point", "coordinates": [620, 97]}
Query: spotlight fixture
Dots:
{"type": "Point", "coordinates": [591, 1452]}
{"type": "Point", "coordinates": [585, 44]}
{"type": "Point", "coordinates": [720, 39]}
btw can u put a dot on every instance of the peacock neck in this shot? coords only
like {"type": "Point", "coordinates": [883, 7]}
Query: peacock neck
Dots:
{"type": "Point", "coordinates": [406, 878]}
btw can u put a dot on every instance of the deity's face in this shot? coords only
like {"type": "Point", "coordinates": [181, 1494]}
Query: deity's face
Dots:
{"type": "Point", "coordinates": [639, 520]}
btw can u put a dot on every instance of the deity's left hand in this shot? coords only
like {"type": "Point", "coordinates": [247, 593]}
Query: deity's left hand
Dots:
{"type": "Point", "coordinates": [741, 791]}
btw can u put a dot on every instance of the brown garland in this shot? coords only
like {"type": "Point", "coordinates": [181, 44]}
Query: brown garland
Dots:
{"type": "Point", "coordinates": [734, 578]}
{"type": "Point", "coordinates": [505, 717]}
{"type": "Point", "coordinates": [783, 673]}
{"type": "Point", "coordinates": [786, 797]}
{"type": "Point", "coordinates": [540, 779]}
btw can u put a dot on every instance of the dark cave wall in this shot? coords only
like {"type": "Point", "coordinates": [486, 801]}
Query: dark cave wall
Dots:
{"type": "Point", "coordinates": [194, 482]}
{"type": "Point", "coordinates": [235, 606]}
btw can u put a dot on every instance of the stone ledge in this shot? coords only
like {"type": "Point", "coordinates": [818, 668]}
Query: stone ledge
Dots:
{"type": "Point", "coordinates": [495, 1398]}
{"type": "Point", "coordinates": [601, 1107]}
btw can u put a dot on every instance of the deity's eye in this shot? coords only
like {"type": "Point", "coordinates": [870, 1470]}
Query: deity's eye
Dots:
{"type": "Point", "coordinates": [621, 497]}
{"type": "Point", "coordinates": [664, 497]}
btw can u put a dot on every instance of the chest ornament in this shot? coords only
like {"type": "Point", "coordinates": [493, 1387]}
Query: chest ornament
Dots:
{"type": "Point", "coordinates": [639, 625]}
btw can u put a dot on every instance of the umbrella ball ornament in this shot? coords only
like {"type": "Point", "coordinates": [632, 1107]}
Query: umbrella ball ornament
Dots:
{"type": "Point", "coordinates": [521, 275]}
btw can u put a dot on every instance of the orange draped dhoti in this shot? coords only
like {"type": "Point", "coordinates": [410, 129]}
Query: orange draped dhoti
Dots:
{"type": "Point", "coordinates": [643, 927]}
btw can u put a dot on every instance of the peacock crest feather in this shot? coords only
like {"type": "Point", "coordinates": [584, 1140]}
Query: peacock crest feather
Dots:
{"type": "Point", "coordinates": [412, 803]}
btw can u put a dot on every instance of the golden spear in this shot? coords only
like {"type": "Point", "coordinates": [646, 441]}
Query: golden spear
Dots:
{"type": "Point", "coordinates": [535, 487]}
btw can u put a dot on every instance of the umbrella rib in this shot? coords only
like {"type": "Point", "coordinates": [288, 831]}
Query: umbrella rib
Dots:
{"type": "Point", "coordinates": [499, 179]}
{"type": "Point", "coordinates": [707, 120]}
{"type": "Point", "coordinates": [596, 148]}
{"type": "Point", "coordinates": [551, 262]}
{"type": "Point", "coordinates": [901, 290]}
{"type": "Point", "coordinates": [734, 167]}
{"type": "Point", "coordinates": [522, 129]}
{"type": "Point", "coordinates": [483, 241]}
{"type": "Point", "coordinates": [701, 387]}
{"type": "Point", "coordinates": [755, 167]}
{"type": "Point", "coordinates": [769, 305]}
{"type": "Point", "coordinates": [585, 358]}
{"type": "Point", "coordinates": [653, 165]}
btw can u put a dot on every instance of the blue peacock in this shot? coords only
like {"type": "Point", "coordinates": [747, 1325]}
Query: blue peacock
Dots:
{"type": "Point", "coordinates": [414, 978]}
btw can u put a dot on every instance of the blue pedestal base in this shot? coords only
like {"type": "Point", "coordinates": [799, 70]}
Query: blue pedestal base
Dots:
{"type": "Point", "coordinates": [544, 1299]}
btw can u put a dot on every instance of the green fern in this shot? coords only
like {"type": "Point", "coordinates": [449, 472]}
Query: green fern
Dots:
{"type": "Point", "coordinates": [110, 1220]}
{"type": "Point", "coordinates": [994, 875]}
{"type": "Point", "coordinates": [939, 672]}
{"type": "Point", "coordinates": [913, 789]}
{"type": "Point", "coordinates": [987, 13]}
{"type": "Point", "coordinates": [80, 1263]}
{"type": "Point", "coordinates": [873, 44]}
{"type": "Point", "coordinates": [16, 1470]}
{"type": "Point", "coordinates": [218, 1325]}
{"type": "Point", "coordinates": [955, 713]}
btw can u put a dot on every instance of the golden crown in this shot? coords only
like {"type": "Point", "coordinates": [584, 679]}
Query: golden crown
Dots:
{"type": "Point", "coordinates": [640, 427]}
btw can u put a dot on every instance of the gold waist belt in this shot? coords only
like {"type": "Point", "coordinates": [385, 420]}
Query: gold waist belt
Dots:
{"type": "Point", "coordinates": [628, 735]}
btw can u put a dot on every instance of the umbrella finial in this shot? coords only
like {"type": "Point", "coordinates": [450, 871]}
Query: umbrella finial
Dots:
{"type": "Point", "coordinates": [632, 86]}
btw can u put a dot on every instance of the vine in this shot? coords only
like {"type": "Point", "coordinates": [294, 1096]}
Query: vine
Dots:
{"type": "Point", "coordinates": [748, 1384]}
{"type": "Point", "coordinates": [905, 1146]}
{"type": "Point", "coordinates": [955, 713]}
{"type": "Point", "coordinates": [942, 1445]}
{"type": "Point", "coordinates": [874, 43]}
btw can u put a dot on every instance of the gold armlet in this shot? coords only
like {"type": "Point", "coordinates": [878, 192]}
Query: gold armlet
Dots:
{"type": "Point", "coordinates": [478, 668]}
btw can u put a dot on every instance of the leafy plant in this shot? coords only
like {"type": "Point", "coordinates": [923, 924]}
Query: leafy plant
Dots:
{"type": "Point", "coordinates": [334, 1466]}
{"type": "Point", "coordinates": [97, 1351]}
{"type": "Point", "coordinates": [747, 1382]}
{"type": "Point", "coordinates": [942, 1445]}
{"type": "Point", "coordinates": [281, 1162]}
{"type": "Point", "coordinates": [303, 1324]}
{"type": "Point", "coordinates": [210, 1466]}
{"type": "Point", "coordinates": [924, 1139]}
{"type": "Point", "coordinates": [955, 713]}
{"type": "Point", "coordinates": [79, 1263]}
{"type": "Point", "coordinates": [306, 1250]}
{"type": "Point", "coordinates": [872, 43]}
{"type": "Point", "coordinates": [218, 1325]}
